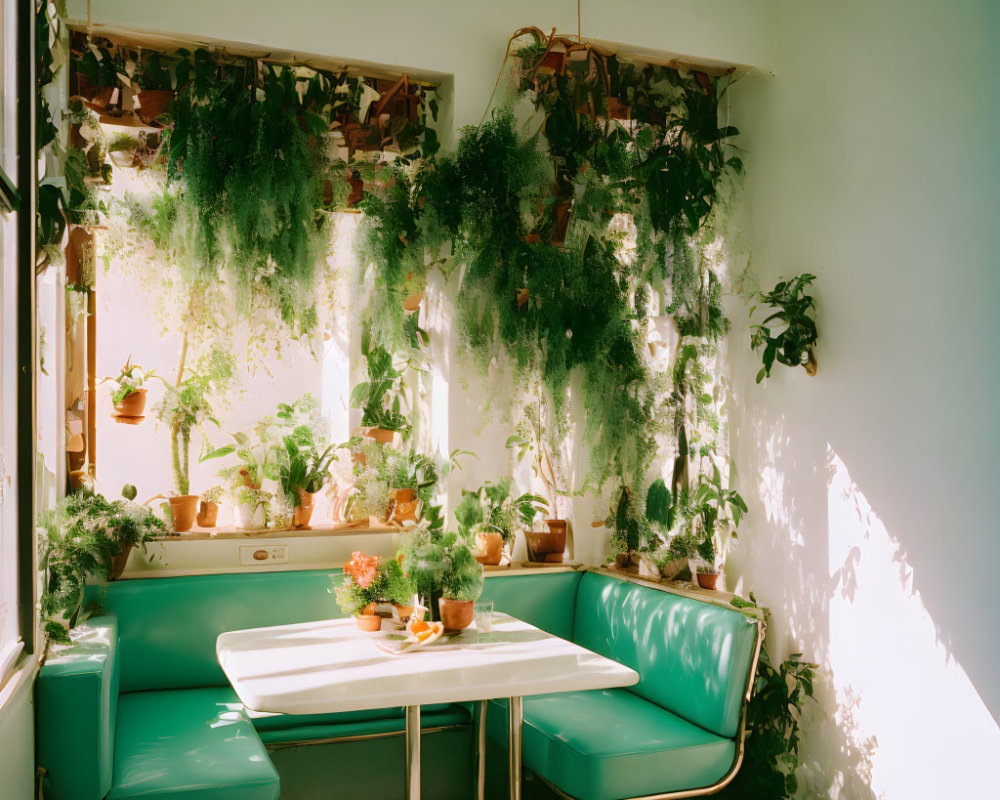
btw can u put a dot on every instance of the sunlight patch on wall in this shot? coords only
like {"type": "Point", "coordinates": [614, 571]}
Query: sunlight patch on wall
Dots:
{"type": "Point", "coordinates": [932, 734]}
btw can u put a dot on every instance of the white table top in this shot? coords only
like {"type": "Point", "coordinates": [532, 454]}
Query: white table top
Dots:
{"type": "Point", "coordinates": [330, 666]}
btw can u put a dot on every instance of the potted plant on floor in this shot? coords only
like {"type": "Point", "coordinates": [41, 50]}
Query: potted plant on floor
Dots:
{"type": "Point", "coordinates": [129, 398]}
{"type": "Point", "coordinates": [87, 536]}
{"type": "Point", "coordinates": [368, 582]}
{"type": "Point", "coordinates": [381, 397]}
{"type": "Point", "coordinates": [793, 344]}
{"type": "Point", "coordinates": [490, 517]}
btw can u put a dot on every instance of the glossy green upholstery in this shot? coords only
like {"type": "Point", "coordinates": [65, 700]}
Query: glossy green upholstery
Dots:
{"type": "Point", "coordinates": [612, 743]}
{"type": "Point", "coordinates": [693, 657]}
{"type": "Point", "coordinates": [192, 744]}
{"type": "Point", "coordinates": [76, 703]}
{"type": "Point", "coordinates": [546, 601]}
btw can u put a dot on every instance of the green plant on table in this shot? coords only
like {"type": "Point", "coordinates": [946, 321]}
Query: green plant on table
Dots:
{"type": "Point", "coordinates": [78, 540]}
{"type": "Point", "coordinates": [185, 406]}
{"type": "Point", "coordinates": [492, 507]}
{"type": "Point", "coordinates": [791, 339]}
{"type": "Point", "coordinates": [440, 563]}
{"type": "Point", "coordinates": [369, 580]}
{"type": "Point", "coordinates": [381, 397]}
{"type": "Point", "coordinates": [130, 380]}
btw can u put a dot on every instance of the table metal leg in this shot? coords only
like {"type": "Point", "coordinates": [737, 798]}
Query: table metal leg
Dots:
{"type": "Point", "coordinates": [514, 748]}
{"type": "Point", "coordinates": [413, 753]}
{"type": "Point", "coordinates": [479, 714]}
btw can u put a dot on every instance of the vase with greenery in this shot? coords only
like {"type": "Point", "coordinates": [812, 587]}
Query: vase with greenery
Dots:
{"type": "Point", "coordinates": [446, 575]}
{"type": "Point", "coordinates": [370, 581]}
{"type": "Point", "coordinates": [490, 517]}
{"type": "Point", "coordinates": [788, 334]}
{"type": "Point", "coordinates": [87, 536]}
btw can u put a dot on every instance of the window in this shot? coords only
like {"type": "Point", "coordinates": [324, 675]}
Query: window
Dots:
{"type": "Point", "coordinates": [10, 643]}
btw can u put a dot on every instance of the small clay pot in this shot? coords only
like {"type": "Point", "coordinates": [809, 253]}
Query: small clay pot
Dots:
{"type": "Point", "coordinates": [118, 563]}
{"type": "Point", "coordinates": [547, 546]}
{"type": "Point", "coordinates": [523, 296]}
{"type": "Point", "coordinates": [368, 622]}
{"type": "Point", "coordinates": [184, 510]}
{"type": "Point", "coordinates": [303, 512]}
{"type": "Point", "coordinates": [627, 562]}
{"type": "Point", "coordinates": [405, 505]}
{"type": "Point", "coordinates": [208, 514]}
{"type": "Point", "coordinates": [412, 303]}
{"type": "Point", "coordinates": [381, 435]}
{"type": "Point", "coordinates": [708, 580]}
{"type": "Point", "coordinates": [490, 546]}
{"type": "Point", "coordinates": [456, 615]}
{"type": "Point", "coordinates": [810, 366]}
{"type": "Point", "coordinates": [133, 404]}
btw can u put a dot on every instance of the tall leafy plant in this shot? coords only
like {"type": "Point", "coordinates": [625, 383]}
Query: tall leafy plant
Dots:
{"type": "Point", "coordinates": [788, 334]}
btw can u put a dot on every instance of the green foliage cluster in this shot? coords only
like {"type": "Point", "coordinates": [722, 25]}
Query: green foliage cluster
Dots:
{"type": "Point", "coordinates": [795, 338]}
{"type": "Point", "coordinates": [492, 506]}
{"type": "Point", "coordinates": [440, 564]}
{"type": "Point", "coordinates": [77, 540]}
{"type": "Point", "coordinates": [382, 397]}
{"type": "Point", "coordinates": [304, 466]}
{"type": "Point", "coordinates": [772, 740]}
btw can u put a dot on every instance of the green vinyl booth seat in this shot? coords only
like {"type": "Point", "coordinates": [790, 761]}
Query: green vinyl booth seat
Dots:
{"type": "Point", "coordinates": [139, 707]}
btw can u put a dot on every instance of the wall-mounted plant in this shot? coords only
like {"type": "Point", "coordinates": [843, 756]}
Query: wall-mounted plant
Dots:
{"type": "Point", "coordinates": [788, 334]}
{"type": "Point", "coordinates": [86, 536]}
{"type": "Point", "coordinates": [129, 398]}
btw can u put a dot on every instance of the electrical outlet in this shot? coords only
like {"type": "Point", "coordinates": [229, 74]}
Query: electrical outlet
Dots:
{"type": "Point", "coordinates": [263, 555]}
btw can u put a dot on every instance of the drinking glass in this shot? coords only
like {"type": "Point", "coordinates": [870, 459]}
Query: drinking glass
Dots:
{"type": "Point", "coordinates": [483, 611]}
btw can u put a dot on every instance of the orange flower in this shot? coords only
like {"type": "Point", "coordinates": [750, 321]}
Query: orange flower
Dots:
{"type": "Point", "coordinates": [363, 569]}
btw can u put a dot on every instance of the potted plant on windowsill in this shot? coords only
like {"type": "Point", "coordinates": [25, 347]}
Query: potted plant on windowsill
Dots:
{"type": "Point", "coordinates": [411, 477]}
{"type": "Point", "coordinates": [208, 507]}
{"type": "Point", "coordinates": [368, 582]}
{"type": "Point", "coordinates": [302, 472]}
{"type": "Point", "coordinates": [184, 407]}
{"type": "Point", "coordinates": [381, 397]}
{"type": "Point", "coordinates": [708, 576]}
{"type": "Point", "coordinates": [129, 398]}
{"type": "Point", "coordinates": [86, 536]}
{"type": "Point", "coordinates": [490, 517]}
{"type": "Point", "coordinates": [258, 461]}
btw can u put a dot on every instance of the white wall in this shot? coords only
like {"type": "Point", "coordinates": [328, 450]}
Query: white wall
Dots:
{"type": "Point", "coordinates": [873, 532]}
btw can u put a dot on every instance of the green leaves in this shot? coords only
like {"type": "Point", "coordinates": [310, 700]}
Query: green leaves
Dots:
{"type": "Point", "coordinates": [791, 344]}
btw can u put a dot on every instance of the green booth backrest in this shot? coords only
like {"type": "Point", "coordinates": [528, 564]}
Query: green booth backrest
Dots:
{"type": "Point", "coordinates": [693, 657]}
{"type": "Point", "coordinates": [76, 706]}
{"type": "Point", "coordinates": [168, 626]}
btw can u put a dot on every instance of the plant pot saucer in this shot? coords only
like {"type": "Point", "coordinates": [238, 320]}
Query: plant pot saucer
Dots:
{"type": "Point", "coordinates": [127, 420]}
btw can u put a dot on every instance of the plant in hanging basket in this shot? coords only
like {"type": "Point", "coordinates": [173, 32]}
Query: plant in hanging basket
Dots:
{"type": "Point", "coordinates": [793, 341]}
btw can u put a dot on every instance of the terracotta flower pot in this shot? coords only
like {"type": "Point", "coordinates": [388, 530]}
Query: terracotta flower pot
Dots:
{"type": "Point", "coordinates": [381, 435]}
{"type": "Point", "coordinates": [412, 303]}
{"type": "Point", "coordinates": [208, 514]}
{"type": "Point", "coordinates": [490, 545]}
{"type": "Point", "coordinates": [184, 510]}
{"type": "Point", "coordinates": [627, 562]}
{"type": "Point", "coordinates": [302, 513]}
{"type": "Point", "coordinates": [118, 563]}
{"type": "Point", "coordinates": [132, 405]}
{"type": "Point", "coordinates": [522, 297]}
{"type": "Point", "coordinates": [810, 366]}
{"type": "Point", "coordinates": [456, 614]}
{"type": "Point", "coordinates": [547, 546]}
{"type": "Point", "coordinates": [368, 622]}
{"type": "Point", "coordinates": [405, 505]}
{"type": "Point", "coordinates": [708, 580]}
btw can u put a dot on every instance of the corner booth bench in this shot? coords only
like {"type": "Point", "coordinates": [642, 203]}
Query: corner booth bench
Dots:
{"type": "Point", "coordinates": [138, 706]}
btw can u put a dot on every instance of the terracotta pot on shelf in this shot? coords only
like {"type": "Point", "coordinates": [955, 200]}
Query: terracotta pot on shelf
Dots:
{"type": "Point", "coordinates": [456, 615]}
{"type": "Point", "coordinates": [405, 505]}
{"type": "Point", "coordinates": [672, 569]}
{"type": "Point", "coordinates": [381, 435]}
{"type": "Point", "coordinates": [522, 297]}
{"type": "Point", "coordinates": [184, 510]}
{"type": "Point", "coordinates": [118, 563]}
{"type": "Point", "coordinates": [490, 545]}
{"type": "Point", "coordinates": [558, 238]}
{"type": "Point", "coordinates": [547, 546]}
{"type": "Point", "coordinates": [208, 514]}
{"type": "Point", "coordinates": [132, 405]}
{"type": "Point", "coordinates": [810, 366]}
{"type": "Point", "coordinates": [708, 580]}
{"type": "Point", "coordinates": [627, 562]}
{"type": "Point", "coordinates": [302, 513]}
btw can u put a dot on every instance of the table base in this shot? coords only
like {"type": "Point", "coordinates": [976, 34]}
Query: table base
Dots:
{"type": "Point", "coordinates": [515, 722]}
